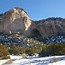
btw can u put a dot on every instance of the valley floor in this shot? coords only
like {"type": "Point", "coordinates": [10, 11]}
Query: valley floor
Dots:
{"type": "Point", "coordinates": [18, 60]}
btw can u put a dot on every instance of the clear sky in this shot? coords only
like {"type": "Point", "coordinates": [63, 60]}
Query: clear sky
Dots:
{"type": "Point", "coordinates": [36, 9]}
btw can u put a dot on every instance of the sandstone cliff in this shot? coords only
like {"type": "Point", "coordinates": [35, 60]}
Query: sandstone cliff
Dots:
{"type": "Point", "coordinates": [15, 20]}
{"type": "Point", "coordinates": [18, 21]}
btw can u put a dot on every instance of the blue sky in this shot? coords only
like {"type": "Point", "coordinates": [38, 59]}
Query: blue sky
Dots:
{"type": "Point", "coordinates": [36, 9]}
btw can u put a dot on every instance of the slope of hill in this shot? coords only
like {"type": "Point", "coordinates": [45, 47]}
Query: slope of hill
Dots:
{"type": "Point", "coordinates": [17, 20]}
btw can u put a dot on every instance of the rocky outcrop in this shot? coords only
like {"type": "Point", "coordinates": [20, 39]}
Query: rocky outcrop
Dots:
{"type": "Point", "coordinates": [15, 20]}
{"type": "Point", "coordinates": [52, 26]}
{"type": "Point", "coordinates": [18, 21]}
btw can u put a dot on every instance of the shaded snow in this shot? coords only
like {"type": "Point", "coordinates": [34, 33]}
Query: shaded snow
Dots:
{"type": "Point", "coordinates": [37, 61]}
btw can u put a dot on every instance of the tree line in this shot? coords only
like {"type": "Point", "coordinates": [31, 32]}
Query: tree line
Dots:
{"type": "Point", "coordinates": [44, 50]}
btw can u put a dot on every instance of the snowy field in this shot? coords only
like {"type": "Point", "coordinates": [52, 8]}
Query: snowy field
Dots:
{"type": "Point", "coordinates": [18, 60]}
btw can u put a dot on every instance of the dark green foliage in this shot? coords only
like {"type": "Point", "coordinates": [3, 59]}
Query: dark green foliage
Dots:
{"type": "Point", "coordinates": [30, 51]}
{"type": "Point", "coordinates": [62, 52]}
{"type": "Point", "coordinates": [53, 49]}
{"type": "Point", "coordinates": [44, 51]}
{"type": "Point", "coordinates": [13, 50]}
{"type": "Point", "coordinates": [16, 50]}
{"type": "Point", "coordinates": [3, 52]}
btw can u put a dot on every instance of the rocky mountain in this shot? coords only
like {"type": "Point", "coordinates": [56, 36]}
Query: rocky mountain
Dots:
{"type": "Point", "coordinates": [51, 26]}
{"type": "Point", "coordinates": [17, 20]}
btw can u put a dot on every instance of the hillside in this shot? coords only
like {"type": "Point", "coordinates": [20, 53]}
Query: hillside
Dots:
{"type": "Point", "coordinates": [17, 20]}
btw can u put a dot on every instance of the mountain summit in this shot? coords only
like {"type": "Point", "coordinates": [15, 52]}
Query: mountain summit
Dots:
{"type": "Point", "coordinates": [14, 20]}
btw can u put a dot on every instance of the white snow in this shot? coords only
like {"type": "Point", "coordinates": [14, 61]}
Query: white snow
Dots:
{"type": "Point", "coordinates": [15, 57]}
{"type": "Point", "coordinates": [3, 61]}
{"type": "Point", "coordinates": [58, 63]}
{"type": "Point", "coordinates": [35, 61]}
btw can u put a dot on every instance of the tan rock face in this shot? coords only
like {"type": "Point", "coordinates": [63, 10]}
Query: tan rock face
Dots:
{"type": "Point", "coordinates": [17, 20]}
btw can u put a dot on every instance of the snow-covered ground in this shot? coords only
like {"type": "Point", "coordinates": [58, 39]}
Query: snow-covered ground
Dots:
{"type": "Point", "coordinates": [3, 61]}
{"type": "Point", "coordinates": [58, 63]}
{"type": "Point", "coordinates": [60, 60]}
